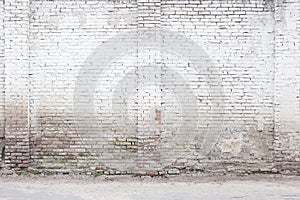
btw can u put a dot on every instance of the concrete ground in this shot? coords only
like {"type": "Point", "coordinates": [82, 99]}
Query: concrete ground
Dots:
{"type": "Point", "coordinates": [128, 188]}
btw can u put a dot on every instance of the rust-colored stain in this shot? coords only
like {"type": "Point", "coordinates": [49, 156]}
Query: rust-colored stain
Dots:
{"type": "Point", "coordinates": [158, 115]}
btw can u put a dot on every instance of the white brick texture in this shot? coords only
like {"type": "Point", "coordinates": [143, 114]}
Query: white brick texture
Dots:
{"type": "Point", "coordinates": [150, 86]}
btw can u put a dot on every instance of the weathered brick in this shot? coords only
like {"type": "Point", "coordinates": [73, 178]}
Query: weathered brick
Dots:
{"type": "Point", "coordinates": [250, 49]}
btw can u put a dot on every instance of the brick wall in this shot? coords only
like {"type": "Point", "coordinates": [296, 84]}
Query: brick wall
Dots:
{"type": "Point", "coordinates": [151, 86]}
{"type": "Point", "coordinates": [1, 81]}
{"type": "Point", "coordinates": [16, 61]}
{"type": "Point", "coordinates": [287, 85]}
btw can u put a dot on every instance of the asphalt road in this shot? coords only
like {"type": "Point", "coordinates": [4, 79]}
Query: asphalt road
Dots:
{"type": "Point", "coordinates": [135, 189]}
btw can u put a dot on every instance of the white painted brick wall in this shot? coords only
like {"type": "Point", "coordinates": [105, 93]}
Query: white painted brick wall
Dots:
{"type": "Point", "coordinates": [1, 70]}
{"type": "Point", "coordinates": [249, 49]}
{"type": "Point", "coordinates": [287, 84]}
{"type": "Point", "coordinates": [16, 60]}
{"type": "Point", "coordinates": [2, 78]}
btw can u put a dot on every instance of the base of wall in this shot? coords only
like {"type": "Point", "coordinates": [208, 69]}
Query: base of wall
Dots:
{"type": "Point", "coordinates": [213, 169]}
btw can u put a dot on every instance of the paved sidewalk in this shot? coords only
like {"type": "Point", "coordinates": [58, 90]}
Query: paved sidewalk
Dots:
{"type": "Point", "coordinates": [16, 188]}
